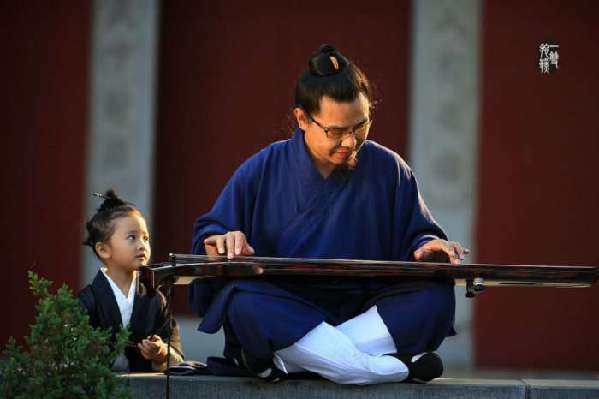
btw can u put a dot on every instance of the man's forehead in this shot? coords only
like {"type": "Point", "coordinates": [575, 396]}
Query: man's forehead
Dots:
{"type": "Point", "coordinates": [343, 114]}
{"type": "Point", "coordinates": [360, 102]}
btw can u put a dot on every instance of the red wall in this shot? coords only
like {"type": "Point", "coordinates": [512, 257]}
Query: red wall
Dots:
{"type": "Point", "coordinates": [538, 191]}
{"type": "Point", "coordinates": [43, 116]}
{"type": "Point", "coordinates": [227, 73]}
{"type": "Point", "coordinates": [226, 81]}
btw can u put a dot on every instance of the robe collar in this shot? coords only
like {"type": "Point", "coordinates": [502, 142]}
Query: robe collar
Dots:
{"type": "Point", "coordinates": [107, 300]}
{"type": "Point", "coordinates": [111, 311]}
{"type": "Point", "coordinates": [307, 170]}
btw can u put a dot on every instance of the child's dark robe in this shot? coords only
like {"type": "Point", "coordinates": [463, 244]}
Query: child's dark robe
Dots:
{"type": "Point", "coordinates": [149, 317]}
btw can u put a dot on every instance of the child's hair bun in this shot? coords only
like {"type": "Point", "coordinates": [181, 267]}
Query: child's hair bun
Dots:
{"type": "Point", "coordinates": [111, 200]}
{"type": "Point", "coordinates": [327, 61]}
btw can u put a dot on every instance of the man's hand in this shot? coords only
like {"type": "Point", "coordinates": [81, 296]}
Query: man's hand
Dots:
{"type": "Point", "coordinates": [441, 250]}
{"type": "Point", "coordinates": [234, 243]}
{"type": "Point", "coordinates": [153, 348]}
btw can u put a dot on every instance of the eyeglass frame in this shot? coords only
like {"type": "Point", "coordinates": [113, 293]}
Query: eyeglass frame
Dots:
{"type": "Point", "coordinates": [366, 125]}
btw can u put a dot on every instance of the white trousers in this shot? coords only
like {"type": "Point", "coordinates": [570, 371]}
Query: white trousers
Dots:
{"type": "Point", "coordinates": [369, 333]}
{"type": "Point", "coordinates": [354, 352]}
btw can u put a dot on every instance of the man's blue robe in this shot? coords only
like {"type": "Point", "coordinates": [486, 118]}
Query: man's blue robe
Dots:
{"type": "Point", "coordinates": [287, 209]}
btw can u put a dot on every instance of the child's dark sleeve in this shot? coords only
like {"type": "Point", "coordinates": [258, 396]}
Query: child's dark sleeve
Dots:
{"type": "Point", "coordinates": [87, 301]}
{"type": "Point", "coordinates": [174, 330]}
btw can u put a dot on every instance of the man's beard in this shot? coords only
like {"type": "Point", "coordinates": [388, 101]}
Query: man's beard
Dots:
{"type": "Point", "coordinates": [352, 160]}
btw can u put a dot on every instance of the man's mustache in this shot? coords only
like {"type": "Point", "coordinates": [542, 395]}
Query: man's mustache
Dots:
{"type": "Point", "coordinates": [357, 148]}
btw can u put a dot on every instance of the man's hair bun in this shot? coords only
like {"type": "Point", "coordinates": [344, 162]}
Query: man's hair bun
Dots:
{"type": "Point", "coordinates": [331, 74]}
{"type": "Point", "coordinates": [327, 61]}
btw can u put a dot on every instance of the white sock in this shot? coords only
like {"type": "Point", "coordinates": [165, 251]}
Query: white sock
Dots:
{"type": "Point", "coordinates": [330, 353]}
{"type": "Point", "coordinates": [369, 333]}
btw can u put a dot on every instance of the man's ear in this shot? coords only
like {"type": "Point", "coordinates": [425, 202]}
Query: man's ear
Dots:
{"type": "Point", "coordinates": [103, 250]}
{"type": "Point", "coordinates": [301, 117]}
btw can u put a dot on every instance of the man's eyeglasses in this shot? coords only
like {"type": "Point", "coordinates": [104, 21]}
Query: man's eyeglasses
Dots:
{"type": "Point", "coordinates": [341, 133]}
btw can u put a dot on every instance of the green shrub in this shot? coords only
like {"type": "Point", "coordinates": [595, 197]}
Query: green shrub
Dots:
{"type": "Point", "coordinates": [64, 357]}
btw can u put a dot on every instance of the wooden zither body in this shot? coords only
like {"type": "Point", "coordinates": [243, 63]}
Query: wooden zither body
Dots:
{"type": "Point", "coordinates": [184, 269]}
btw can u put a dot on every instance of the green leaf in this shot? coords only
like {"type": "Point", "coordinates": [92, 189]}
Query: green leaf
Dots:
{"type": "Point", "coordinates": [63, 356]}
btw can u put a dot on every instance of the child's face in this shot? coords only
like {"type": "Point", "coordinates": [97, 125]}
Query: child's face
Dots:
{"type": "Point", "coordinates": [129, 246]}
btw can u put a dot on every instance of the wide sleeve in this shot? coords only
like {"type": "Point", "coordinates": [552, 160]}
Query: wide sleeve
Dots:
{"type": "Point", "coordinates": [233, 210]}
{"type": "Point", "coordinates": [414, 225]}
{"type": "Point", "coordinates": [87, 302]}
{"type": "Point", "coordinates": [164, 321]}
{"type": "Point", "coordinates": [234, 206]}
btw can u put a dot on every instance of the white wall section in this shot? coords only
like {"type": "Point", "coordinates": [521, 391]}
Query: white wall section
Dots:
{"type": "Point", "coordinates": [120, 148]}
{"type": "Point", "coordinates": [443, 143]}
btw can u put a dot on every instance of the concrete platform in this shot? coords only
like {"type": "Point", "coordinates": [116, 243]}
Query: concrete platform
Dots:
{"type": "Point", "coordinates": [562, 389]}
{"type": "Point", "coordinates": [152, 386]}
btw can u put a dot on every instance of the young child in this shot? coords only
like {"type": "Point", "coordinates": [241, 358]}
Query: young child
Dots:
{"type": "Point", "coordinates": [118, 235]}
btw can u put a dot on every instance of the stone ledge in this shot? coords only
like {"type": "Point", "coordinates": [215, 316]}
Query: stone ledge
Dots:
{"type": "Point", "coordinates": [152, 386]}
{"type": "Point", "coordinates": [562, 389]}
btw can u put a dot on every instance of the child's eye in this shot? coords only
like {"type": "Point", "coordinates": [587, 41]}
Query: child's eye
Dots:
{"type": "Point", "coordinates": [146, 238]}
{"type": "Point", "coordinates": [131, 237]}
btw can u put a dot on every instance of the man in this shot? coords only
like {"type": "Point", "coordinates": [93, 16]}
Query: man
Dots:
{"type": "Point", "coordinates": [328, 192]}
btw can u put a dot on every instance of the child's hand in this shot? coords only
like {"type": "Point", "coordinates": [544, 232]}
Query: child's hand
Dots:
{"type": "Point", "coordinates": [153, 348]}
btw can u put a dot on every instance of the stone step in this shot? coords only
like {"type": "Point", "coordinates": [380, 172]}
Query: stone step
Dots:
{"type": "Point", "coordinates": [152, 386]}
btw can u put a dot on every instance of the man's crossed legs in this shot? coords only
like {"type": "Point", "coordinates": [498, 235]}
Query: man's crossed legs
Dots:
{"type": "Point", "coordinates": [358, 351]}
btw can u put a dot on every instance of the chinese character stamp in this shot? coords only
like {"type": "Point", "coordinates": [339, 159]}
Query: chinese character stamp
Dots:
{"type": "Point", "coordinates": [548, 57]}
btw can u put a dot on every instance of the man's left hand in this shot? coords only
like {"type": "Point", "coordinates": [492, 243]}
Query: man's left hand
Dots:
{"type": "Point", "coordinates": [441, 250]}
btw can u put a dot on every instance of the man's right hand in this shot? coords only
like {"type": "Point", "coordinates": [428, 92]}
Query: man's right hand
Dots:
{"type": "Point", "coordinates": [233, 243]}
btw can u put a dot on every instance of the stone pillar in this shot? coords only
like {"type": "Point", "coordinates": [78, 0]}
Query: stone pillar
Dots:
{"type": "Point", "coordinates": [120, 150]}
{"type": "Point", "coordinates": [443, 133]}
